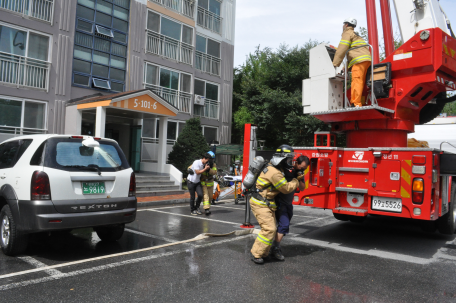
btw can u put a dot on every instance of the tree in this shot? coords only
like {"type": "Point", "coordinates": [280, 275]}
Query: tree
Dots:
{"type": "Point", "coordinates": [189, 146]}
{"type": "Point", "coordinates": [269, 94]}
{"type": "Point", "coordinates": [450, 109]}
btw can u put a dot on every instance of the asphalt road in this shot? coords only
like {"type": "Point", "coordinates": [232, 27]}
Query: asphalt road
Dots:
{"type": "Point", "coordinates": [380, 260]}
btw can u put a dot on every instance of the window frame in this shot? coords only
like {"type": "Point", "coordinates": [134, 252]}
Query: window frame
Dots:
{"type": "Point", "coordinates": [210, 82]}
{"type": "Point", "coordinates": [216, 135]}
{"type": "Point", "coordinates": [174, 20]}
{"type": "Point", "coordinates": [23, 100]}
{"type": "Point", "coordinates": [93, 34]}
{"type": "Point", "coordinates": [28, 38]}
{"type": "Point", "coordinates": [207, 38]}
{"type": "Point", "coordinates": [170, 69]}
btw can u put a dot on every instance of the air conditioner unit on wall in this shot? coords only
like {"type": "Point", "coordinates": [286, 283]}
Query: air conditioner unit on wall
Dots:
{"type": "Point", "coordinates": [199, 100]}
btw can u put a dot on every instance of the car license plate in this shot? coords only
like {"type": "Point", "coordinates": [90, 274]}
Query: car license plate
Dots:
{"type": "Point", "coordinates": [91, 188]}
{"type": "Point", "coordinates": [387, 204]}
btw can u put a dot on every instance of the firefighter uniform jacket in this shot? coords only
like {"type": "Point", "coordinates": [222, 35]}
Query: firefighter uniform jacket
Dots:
{"type": "Point", "coordinates": [207, 178]}
{"type": "Point", "coordinates": [351, 39]}
{"type": "Point", "coordinates": [270, 184]}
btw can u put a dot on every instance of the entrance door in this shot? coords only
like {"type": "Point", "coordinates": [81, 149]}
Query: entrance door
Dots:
{"type": "Point", "coordinates": [135, 147]}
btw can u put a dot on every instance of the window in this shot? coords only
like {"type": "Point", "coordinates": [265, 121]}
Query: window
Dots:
{"type": "Point", "coordinates": [211, 5]}
{"type": "Point", "coordinates": [8, 151]}
{"type": "Point", "coordinates": [166, 78]}
{"type": "Point", "coordinates": [22, 116]}
{"type": "Point", "coordinates": [169, 28]}
{"type": "Point", "coordinates": [38, 9]}
{"type": "Point", "coordinates": [207, 46]}
{"type": "Point", "coordinates": [174, 129]}
{"type": "Point", "coordinates": [206, 89]}
{"type": "Point", "coordinates": [150, 129]}
{"type": "Point", "coordinates": [101, 44]}
{"type": "Point", "coordinates": [210, 133]}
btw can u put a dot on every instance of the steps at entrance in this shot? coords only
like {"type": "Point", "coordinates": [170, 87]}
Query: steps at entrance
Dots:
{"type": "Point", "coordinates": [149, 185]}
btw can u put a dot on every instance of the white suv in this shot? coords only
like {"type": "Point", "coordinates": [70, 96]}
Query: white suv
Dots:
{"type": "Point", "coordinates": [62, 182]}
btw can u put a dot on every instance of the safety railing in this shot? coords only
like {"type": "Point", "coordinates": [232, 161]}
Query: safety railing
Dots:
{"type": "Point", "coordinates": [24, 72]}
{"type": "Point", "coordinates": [39, 9]}
{"type": "Point", "coordinates": [149, 149]}
{"type": "Point", "coordinates": [210, 109]}
{"type": "Point", "coordinates": [209, 20]}
{"type": "Point", "coordinates": [19, 131]}
{"type": "Point", "coordinates": [373, 100]}
{"type": "Point", "coordinates": [185, 7]}
{"type": "Point", "coordinates": [167, 47]}
{"type": "Point", "coordinates": [207, 63]}
{"type": "Point", "coordinates": [179, 99]}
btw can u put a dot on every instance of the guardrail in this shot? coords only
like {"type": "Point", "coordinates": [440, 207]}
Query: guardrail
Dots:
{"type": "Point", "coordinates": [207, 63]}
{"type": "Point", "coordinates": [24, 72]}
{"type": "Point", "coordinates": [179, 99]}
{"type": "Point", "coordinates": [39, 9]}
{"type": "Point", "coordinates": [19, 131]}
{"type": "Point", "coordinates": [167, 47]}
{"type": "Point", "coordinates": [185, 7]}
{"type": "Point", "coordinates": [209, 20]}
{"type": "Point", "coordinates": [210, 110]}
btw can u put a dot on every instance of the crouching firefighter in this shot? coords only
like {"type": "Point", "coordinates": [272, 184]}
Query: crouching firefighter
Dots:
{"type": "Point", "coordinates": [269, 184]}
{"type": "Point", "coordinates": [207, 182]}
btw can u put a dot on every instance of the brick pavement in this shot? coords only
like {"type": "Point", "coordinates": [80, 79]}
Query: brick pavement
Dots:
{"type": "Point", "coordinates": [163, 198]}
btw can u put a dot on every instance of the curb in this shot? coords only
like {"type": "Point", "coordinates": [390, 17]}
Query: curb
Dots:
{"type": "Point", "coordinates": [162, 202]}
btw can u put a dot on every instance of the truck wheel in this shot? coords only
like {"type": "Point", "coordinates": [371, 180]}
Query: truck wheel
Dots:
{"type": "Point", "coordinates": [12, 242]}
{"type": "Point", "coordinates": [341, 217]}
{"type": "Point", "coordinates": [447, 224]}
{"type": "Point", "coordinates": [110, 233]}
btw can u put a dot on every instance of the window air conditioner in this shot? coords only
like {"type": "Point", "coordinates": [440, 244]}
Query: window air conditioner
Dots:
{"type": "Point", "coordinates": [199, 100]}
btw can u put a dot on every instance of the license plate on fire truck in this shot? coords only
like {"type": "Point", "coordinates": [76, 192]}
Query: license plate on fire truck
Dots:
{"type": "Point", "coordinates": [387, 204]}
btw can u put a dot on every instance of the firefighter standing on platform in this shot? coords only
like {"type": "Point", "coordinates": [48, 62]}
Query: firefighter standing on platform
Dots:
{"type": "Point", "coordinates": [359, 60]}
{"type": "Point", "coordinates": [269, 184]}
{"type": "Point", "coordinates": [207, 182]}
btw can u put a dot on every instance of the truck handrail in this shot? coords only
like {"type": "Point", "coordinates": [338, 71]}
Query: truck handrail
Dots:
{"type": "Point", "coordinates": [446, 143]}
{"type": "Point", "coordinates": [373, 99]}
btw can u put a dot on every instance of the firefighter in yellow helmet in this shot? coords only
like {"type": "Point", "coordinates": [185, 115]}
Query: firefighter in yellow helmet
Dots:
{"type": "Point", "coordinates": [269, 184]}
{"type": "Point", "coordinates": [359, 59]}
{"type": "Point", "coordinates": [207, 182]}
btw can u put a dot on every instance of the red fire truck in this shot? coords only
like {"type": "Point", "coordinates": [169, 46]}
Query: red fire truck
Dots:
{"type": "Point", "coordinates": [377, 174]}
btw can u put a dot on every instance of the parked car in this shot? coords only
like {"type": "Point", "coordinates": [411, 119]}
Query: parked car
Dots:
{"type": "Point", "coordinates": [63, 182]}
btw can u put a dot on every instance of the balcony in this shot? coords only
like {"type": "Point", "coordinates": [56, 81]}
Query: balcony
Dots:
{"type": "Point", "coordinates": [209, 20]}
{"type": "Point", "coordinates": [210, 109]}
{"type": "Point", "coordinates": [167, 47]}
{"type": "Point", "coordinates": [207, 63]}
{"type": "Point", "coordinates": [179, 99]}
{"type": "Point", "coordinates": [42, 10]}
{"type": "Point", "coordinates": [184, 7]}
{"type": "Point", "coordinates": [24, 72]}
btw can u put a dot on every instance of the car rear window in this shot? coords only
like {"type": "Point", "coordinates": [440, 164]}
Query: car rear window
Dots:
{"type": "Point", "coordinates": [69, 154]}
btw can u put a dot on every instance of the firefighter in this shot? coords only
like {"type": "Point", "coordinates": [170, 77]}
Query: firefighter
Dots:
{"type": "Point", "coordinates": [269, 184]}
{"type": "Point", "coordinates": [207, 182]}
{"type": "Point", "coordinates": [284, 203]}
{"type": "Point", "coordinates": [358, 59]}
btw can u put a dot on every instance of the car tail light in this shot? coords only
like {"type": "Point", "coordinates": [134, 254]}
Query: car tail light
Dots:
{"type": "Point", "coordinates": [96, 138]}
{"type": "Point", "coordinates": [77, 137]}
{"type": "Point", "coordinates": [40, 187]}
{"type": "Point", "coordinates": [418, 190]}
{"type": "Point", "coordinates": [132, 190]}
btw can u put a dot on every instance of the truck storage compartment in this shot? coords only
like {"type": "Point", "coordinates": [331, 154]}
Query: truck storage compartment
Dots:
{"type": "Point", "coordinates": [448, 164]}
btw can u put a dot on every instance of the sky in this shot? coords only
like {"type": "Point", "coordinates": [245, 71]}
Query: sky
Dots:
{"type": "Point", "coordinates": [270, 23]}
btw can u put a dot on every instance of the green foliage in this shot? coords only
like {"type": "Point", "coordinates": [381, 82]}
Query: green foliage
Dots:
{"type": "Point", "coordinates": [189, 146]}
{"type": "Point", "coordinates": [450, 109]}
{"type": "Point", "coordinates": [397, 41]}
{"type": "Point", "coordinates": [268, 93]}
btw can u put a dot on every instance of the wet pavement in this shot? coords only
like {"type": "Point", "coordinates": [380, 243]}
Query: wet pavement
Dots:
{"type": "Point", "coordinates": [380, 260]}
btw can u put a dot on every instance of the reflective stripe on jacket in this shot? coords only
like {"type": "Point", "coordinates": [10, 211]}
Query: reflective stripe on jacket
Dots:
{"type": "Point", "coordinates": [207, 178]}
{"type": "Point", "coordinates": [351, 39]}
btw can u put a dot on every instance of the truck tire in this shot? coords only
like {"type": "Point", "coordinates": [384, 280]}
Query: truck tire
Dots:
{"type": "Point", "coordinates": [430, 111]}
{"type": "Point", "coordinates": [447, 223]}
{"type": "Point", "coordinates": [341, 217]}
{"type": "Point", "coordinates": [110, 233]}
{"type": "Point", "coordinates": [11, 241]}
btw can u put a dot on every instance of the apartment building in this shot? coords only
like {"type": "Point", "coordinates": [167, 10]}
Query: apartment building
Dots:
{"type": "Point", "coordinates": [79, 66]}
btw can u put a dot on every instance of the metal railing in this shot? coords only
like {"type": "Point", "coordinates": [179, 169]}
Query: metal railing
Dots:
{"type": "Point", "coordinates": [19, 131]}
{"type": "Point", "coordinates": [185, 7]}
{"type": "Point", "coordinates": [167, 47]}
{"type": "Point", "coordinates": [211, 109]}
{"type": "Point", "coordinates": [209, 20]}
{"type": "Point", "coordinates": [207, 63]}
{"type": "Point", "coordinates": [179, 99]}
{"type": "Point", "coordinates": [24, 72]}
{"type": "Point", "coordinates": [39, 9]}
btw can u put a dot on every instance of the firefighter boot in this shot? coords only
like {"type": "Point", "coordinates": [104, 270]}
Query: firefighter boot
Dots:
{"type": "Point", "coordinates": [257, 260]}
{"type": "Point", "coordinates": [276, 252]}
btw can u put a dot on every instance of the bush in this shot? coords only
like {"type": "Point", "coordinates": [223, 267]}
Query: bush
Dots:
{"type": "Point", "coordinates": [189, 146]}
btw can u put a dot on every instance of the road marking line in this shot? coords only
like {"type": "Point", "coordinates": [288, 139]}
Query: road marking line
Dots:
{"type": "Point", "coordinates": [144, 209]}
{"type": "Point", "coordinates": [38, 264]}
{"type": "Point", "coordinates": [306, 222]}
{"type": "Point", "coordinates": [113, 265]}
{"type": "Point", "coordinates": [238, 208]}
{"type": "Point", "coordinates": [150, 235]}
{"type": "Point", "coordinates": [191, 216]}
